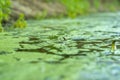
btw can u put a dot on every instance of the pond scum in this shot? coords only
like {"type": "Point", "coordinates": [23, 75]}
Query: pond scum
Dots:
{"type": "Point", "coordinates": [61, 47]}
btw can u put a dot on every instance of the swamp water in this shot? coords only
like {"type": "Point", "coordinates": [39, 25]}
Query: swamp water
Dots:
{"type": "Point", "coordinates": [62, 49]}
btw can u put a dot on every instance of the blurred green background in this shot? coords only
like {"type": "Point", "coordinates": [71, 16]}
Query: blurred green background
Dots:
{"type": "Point", "coordinates": [40, 9]}
{"type": "Point", "coordinates": [10, 10]}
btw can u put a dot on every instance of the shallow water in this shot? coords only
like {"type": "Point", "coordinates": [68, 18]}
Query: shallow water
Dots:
{"type": "Point", "coordinates": [62, 49]}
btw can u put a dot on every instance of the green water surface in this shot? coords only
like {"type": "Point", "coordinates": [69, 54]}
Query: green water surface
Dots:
{"type": "Point", "coordinates": [62, 49]}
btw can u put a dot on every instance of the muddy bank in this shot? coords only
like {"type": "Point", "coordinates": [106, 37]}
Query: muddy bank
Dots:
{"type": "Point", "coordinates": [32, 8]}
{"type": "Point", "coordinates": [46, 8]}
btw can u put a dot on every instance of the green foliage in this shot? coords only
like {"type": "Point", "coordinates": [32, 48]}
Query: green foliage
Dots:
{"type": "Point", "coordinates": [4, 11]}
{"type": "Point", "coordinates": [96, 4]}
{"type": "Point", "coordinates": [20, 23]}
{"type": "Point", "coordinates": [82, 7]}
{"type": "Point", "coordinates": [114, 6]}
{"type": "Point", "coordinates": [76, 7]}
{"type": "Point", "coordinates": [1, 15]}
